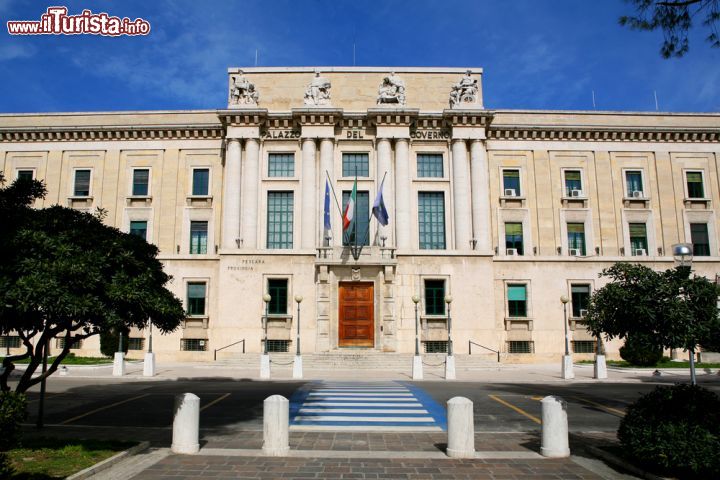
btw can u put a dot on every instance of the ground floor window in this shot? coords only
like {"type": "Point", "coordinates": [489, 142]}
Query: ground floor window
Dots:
{"type": "Point", "coordinates": [193, 345]}
{"type": "Point", "coordinates": [584, 346]}
{"type": "Point", "coordinates": [435, 297]}
{"type": "Point", "coordinates": [136, 343]}
{"type": "Point", "coordinates": [436, 346]}
{"type": "Point", "coordinates": [74, 345]}
{"type": "Point", "coordinates": [9, 341]}
{"type": "Point", "coordinates": [278, 346]}
{"type": "Point", "coordinates": [700, 239]}
{"type": "Point", "coordinates": [580, 299]}
{"type": "Point", "coordinates": [520, 346]}
{"type": "Point", "coordinates": [278, 290]}
{"type": "Point", "coordinates": [517, 300]}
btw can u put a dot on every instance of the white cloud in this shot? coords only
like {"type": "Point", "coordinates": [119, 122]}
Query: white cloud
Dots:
{"type": "Point", "coordinates": [16, 49]}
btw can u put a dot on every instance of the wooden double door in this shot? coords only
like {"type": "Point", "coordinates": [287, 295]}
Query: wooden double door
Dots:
{"type": "Point", "coordinates": [356, 325]}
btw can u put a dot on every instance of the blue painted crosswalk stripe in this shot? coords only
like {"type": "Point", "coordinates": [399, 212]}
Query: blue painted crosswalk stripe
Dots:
{"type": "Point", "coordinates": [386, 406]}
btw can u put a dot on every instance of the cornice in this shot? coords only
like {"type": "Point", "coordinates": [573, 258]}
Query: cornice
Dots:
{"type": "Point", "coordinates": [604, 134]}
{"type": "Point", "coordinates": [110, 133]}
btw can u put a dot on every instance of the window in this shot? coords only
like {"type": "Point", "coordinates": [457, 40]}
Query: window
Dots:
{"type": "Point", "coordinates": [201, 181]}
{"type": "Point", "coordinates": [695, 185]}
{"type": "Point", "coordinates": [434, 297]}
{"type": "Point", "coordinates": [511, 181]}
{"type": "Point", "coordinates": [136, 343]}
{"type": "Point", "coordinates": [193, 345]}
{"type": "Point", "coordinates": [520, 346]}
{"type": "Point", "coordinates": [633, 181]}
{"type": "Point", "coordinates": [436, 346]}
{"type": "Point", "coordinates": [196, 298]}
{"type": "Point", "coordinates": [431, 220]}
{"type": "Point", "coordinates": [573, 181]}
{"type": "Point", "coordinates": [278, 290]}
{"type": "Point", "coordinates": [638, 238]}
{"type": "Point", "coordinates": [517, 300]}
{"type": "Point", "coordinates": [278, 346]}
{"type": "Point", "coordinates": [74, 344]}
{"type": "Point", "coordinates": [9, 341]}
{"type": "Point", "coordinates": [140, 182]}
{"type": "Point", "coordinates": [280, 220]}
{"type": "Point", "coordinates": [25, 174]}
{"type": "Point", "coordinates": [139, 228]}
{"type": "Point", "coordinates": [361, 219]}
{"type": "Point", "coordinates": [514, 237]}
{"type": "Point", "coordinates": [198, 237]}
{"type": "Point", "coordinates": [430, 165]}
{"type": "Point", "coordinates": [576, 237]}
{"type": "Point", "coordinates": [281, 165]}
{"type": "Point", "coordinates": [580, 299]}
{"type": "Point", "coordinates": [82, 183]}
{"type": "Point", "coordinates": [700, 239]}
{"type": "Point", "coordinates": [355, 164]}
{"type": "Point", "coordinates": [584, 346]}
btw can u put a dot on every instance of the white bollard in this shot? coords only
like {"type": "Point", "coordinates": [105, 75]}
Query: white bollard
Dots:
{"type": "Point", "coordinates": [461, 428]}
{"type": "Point", "coordinates": [450, 367]}
{"type": "Point", "coordinates": [119, 364]}
{"type": "Point", "coordinates": [554, 428]}
{"type": "Point", "coordinates": [600, 370]}
{"type": "Point", "coordinates": [417, 371]}
{"type": "Point", "coordinates": [297, 367]}
{"type": "Point", "coordinates": [265, 366]}
{"type": "Point", "coordinates": [186, 424]}
{"type": "Point", "coordinates": [567, 368]}
{"type": "Point", "coordinates": [276, 422]}
{"type": "Point", "coordinates": [149, 365]}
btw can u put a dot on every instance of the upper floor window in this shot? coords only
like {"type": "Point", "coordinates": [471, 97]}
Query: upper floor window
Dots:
{"type": "Point", "coordinates": [201, 181]}
{"type": "Point", "coordinates": [511, 183]}
{"type": "Point", "coordinates": [355, 165]}
{"type": "Point", "coordinates": [634, 183]}
{"type": "Point", "coordinates": [139, 228]}
{"type": "Point", "coordinates": [580, 299]}
{"type": "Point", "coordinates": [431, 220]}
{"type": "Point", "coordinates": [434, 297]}
{"type": "Point", "coordinates": [141, 177]}
{"type": "Point", "coordinates": [573, 183]}
{"type": "Point", "coordinates": [359, 229]}
{"type": "Point", "coordinates": [514, 238]}
{"type": "Point", "coordinates": [82, 183]}
{"type": "Point", "coordinates": [430, 165]}
{"type": "Point", "coordinates": [198, 237]}
{"type": "Point", "coordinates": [281, 165]}
{"type": "Point", "coordinates": [278, 290]}
{"type": "Point", "coordinates": [25, 174]}
{"type": "Point", "coordinates": [638, 239]}
{"type": "Point", "coordinates": [576, 238]}
{"type": "Point", "coordinates": [196, 292]}
{"type": "Point", "coordinates": [280, 220]}
{"type": "Point", "coordinates": [517, 300]}
{"type": "Point", "coordinates": [695, 188]}
{"type": "Point", "coordinates": [700, 239]}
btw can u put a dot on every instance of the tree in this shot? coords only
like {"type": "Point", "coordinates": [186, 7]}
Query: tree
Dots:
{"type": "Point", "coordinates": [670, 307]}
{"type": "Point", "coordinates": [64, 274]}
{"type": "Point", "coordinates": [675, 19]}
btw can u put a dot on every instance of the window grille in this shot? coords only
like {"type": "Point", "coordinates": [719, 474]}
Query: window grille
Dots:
{"type": "Point", "coordinates": [584, 346]}
{"type": "Point", "coordinates": [278, 346]}
{"type": "Point", "coordinates": [9, 341]}
{"type": "Point", "coordinates": [74, 345]}
{"type": "Point", "coordinates": [520, 346]}
{"type": "Point", "coordinates": [193, 345]}
{"type": "Point", "coordinates": [436, 346]}
{"type": "Point", "coordinates": [136, 343]}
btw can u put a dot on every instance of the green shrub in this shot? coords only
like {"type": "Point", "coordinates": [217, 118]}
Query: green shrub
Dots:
{"type": "Point", "coordinates": [109, 342]}
{"type": "Point", "coordinates": [675, 428]}
{"type": "Point", "coordinates": [641, 351]}
{"type": "Point", "coordinates": [13, 410]}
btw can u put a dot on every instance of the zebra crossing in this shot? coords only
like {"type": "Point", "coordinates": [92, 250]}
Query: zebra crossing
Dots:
{"type": "Point", "coordinates": [389, 406]}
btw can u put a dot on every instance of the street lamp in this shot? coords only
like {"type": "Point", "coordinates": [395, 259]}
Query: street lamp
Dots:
{"type": "Point", "coordinates": [683, 255]}
{"type": "Point", "coordinates": [298, 299]}
{"type": "Point", "coordinates": [149, 363]}
{"type": "Point", "coordinates": [417, 372]}
{"type": "Point", "coordinates": [450, 360]}
{"type": "Point", "coordinates": [265, 358]}
{"type": "Point", "coordinates": [297, 361]}
{"type": "Point", "coordinates": [567, 364]}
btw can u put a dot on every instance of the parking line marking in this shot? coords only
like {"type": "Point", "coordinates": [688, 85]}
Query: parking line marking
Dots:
{"type": "Point", "coordinates": [221, 397]}
{"type": "Point", "coordinates": [517, 409]}
{"type": "Point", "coordinates": [610, 410]}
{"type": "Point", "coordinates": [70, 420]}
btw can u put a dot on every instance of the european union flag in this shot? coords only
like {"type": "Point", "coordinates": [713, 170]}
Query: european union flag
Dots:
{"type": "Point", "coordinates": [326, 212]}
{"type": "Point", "coordinates": [378, 210]}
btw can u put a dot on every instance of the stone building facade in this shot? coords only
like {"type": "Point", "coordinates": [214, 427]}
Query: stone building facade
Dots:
{"type": "Point", "coordinates": [503, 210]}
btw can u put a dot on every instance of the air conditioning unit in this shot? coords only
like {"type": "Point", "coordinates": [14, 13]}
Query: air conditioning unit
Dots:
{"type": "Point", "coordinates": [637, 194]}
{"type": "Point", "coordinates": [511, 251]}
{"type": "Point", "coordinates": [510, 192]}
{"type": "Point", "coordinates": [576, 193]}
{"type": "Point", "coordinates": [574, 252]}
{"type": "Point", "coordinates": [640, 252]}
{"type": "Point", "coordinates": [583, 313]}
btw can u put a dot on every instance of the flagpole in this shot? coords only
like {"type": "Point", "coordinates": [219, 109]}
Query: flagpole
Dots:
{"type": "Point", "coordinates": [355, 214]}
{"type": "Point", "coordinates": [367, 232]}
{"type": "Point", "coordinates": [333, 191]}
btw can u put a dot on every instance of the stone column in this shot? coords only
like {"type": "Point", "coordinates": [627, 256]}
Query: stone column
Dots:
{"type": "Point", "coordinates": [327, 147]}
{"type": "Point", "coordinates": [384, 164]}
{"type": "Point", "coordinates": [250, 184]}
{"type": "Point", "coordinates": [479, 179]}
{"type": "Point", "coordinates": [461, 195]}
{"type": "Point", "coordinates": [402, 194]}
{"type": "Point", "coordinates": [231, 194]}
{"type": "Point", "coordinates": [308, 215]}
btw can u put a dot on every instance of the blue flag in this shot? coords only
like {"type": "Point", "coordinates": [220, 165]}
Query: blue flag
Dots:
{"type": "Point", "coordinates": [378, 210]}
{"type": "Point", "coordinates": [326, 211]}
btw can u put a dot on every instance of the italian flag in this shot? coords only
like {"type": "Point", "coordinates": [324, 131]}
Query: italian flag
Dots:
{"type": "Point", "coordinates": [349, 213]}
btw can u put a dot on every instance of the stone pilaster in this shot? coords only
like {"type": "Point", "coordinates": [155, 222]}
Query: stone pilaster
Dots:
{"type": "Point", "coordinates": [231, 194]}
{"type": "Point", "coordinates": [384, 164]}
{"type": "Point", "coordinates": [250, 184]}
{"type": "Point", "coordinates": [309, 203]}
{"type": "Point", "coordinates": [461, 194]}
{"type": "Point", "coordinates": [480, 196]}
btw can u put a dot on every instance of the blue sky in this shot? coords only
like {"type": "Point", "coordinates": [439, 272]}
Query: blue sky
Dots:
{"type": "Point", "coordinates": [536, 54]}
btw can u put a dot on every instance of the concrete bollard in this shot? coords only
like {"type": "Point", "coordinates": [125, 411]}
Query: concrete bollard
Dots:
{"type": "Point", "coordinates": [264, 367]}
{"type": "Point", "coordinates": [461, 428]}
{"type": "Point", "coordinates": [119, 364]}
{"type": "Point", "coordinates": [450, 367]}
{"type": "Point", "coordinates": [297, 367]}
{"type": "Point", "coordinates": [567, 368]}
{"type": "Point", "coordinates": [276, 422]}
{"type": "Point", "coordinates": [600, 370]}
{"type": "Point", "coordinates": [149, 365]}
{"type": "Point", "coordinates": [186, 424]}
{"type": "Point", "coordinates": [554, 428]}
{"type": "Point", "coordinates": [417, 369]}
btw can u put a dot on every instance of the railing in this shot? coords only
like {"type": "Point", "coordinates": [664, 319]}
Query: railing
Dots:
{"type": "Point", "coordinates": [228, 346]}
{"type": "Point", "coordinates": [471, 343]}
